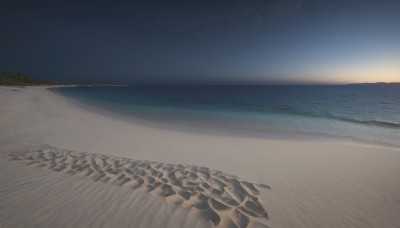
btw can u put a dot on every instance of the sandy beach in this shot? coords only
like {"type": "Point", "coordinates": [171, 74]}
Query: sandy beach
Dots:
{"type": "Point", "coordinates": [67, 166]}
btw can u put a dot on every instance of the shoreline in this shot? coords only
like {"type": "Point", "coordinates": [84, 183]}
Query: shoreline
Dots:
{"type": "Point", "coordinates": [280, 135]}
{"type": "Point", "coordinates": [314, 184]}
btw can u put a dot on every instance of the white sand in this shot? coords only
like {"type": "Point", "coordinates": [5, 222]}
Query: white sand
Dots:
{"type": "Point", "coordinates": [314, 184]}
{"type": "Point", "coordinates": [35, 197]}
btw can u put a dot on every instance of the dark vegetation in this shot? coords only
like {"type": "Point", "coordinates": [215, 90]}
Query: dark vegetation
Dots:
{"type": "Point", "coordinates": [9, 79]}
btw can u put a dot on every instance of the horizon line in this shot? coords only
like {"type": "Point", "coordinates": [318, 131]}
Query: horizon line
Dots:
{"type": "Point", "coordinates": [225, 84]}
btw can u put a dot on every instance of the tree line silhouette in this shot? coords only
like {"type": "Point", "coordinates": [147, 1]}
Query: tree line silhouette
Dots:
{"type": "Point", "coordinates": [9, 79]}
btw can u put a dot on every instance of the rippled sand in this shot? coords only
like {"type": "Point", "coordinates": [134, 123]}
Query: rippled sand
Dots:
{"type": "Point", "coordinates": [217, 197]}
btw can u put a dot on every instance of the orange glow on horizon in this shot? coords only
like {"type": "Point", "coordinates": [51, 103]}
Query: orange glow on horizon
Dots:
{"type": "Point", "coordinates": [366, 73]}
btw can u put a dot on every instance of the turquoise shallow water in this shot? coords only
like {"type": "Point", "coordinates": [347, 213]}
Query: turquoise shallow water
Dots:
{"type": "Point", "coordinates": [365, 113]}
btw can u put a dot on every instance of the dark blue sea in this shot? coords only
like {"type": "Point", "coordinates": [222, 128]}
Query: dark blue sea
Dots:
{"type": "Point", "coordinates": [363, 113]}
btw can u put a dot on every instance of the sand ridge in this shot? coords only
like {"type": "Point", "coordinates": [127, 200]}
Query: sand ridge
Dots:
{"type": "Point", "coordinates": [220, 198]}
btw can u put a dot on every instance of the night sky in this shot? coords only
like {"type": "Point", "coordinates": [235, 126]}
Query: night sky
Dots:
{"type": "Point", "coordinates": [202, 42]}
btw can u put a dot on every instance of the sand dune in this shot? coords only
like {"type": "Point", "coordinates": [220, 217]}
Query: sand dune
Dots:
{"type": "Point", "coordinates": [218, 197]}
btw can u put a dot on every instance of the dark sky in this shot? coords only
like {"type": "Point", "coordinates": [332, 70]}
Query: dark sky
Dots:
{"type": "Point", "coordinates": [202, 42]}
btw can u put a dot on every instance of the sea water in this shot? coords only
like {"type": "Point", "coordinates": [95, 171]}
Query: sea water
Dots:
{"type": "Point", "coordinates": [367, 113]}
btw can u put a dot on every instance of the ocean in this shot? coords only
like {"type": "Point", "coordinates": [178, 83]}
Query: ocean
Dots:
{"type": "Point", "coordinates": [366, 113]}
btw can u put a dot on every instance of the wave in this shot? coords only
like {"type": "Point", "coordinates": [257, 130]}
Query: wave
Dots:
{"type": "Point", "coordinates": [289, 111]}
{"type": "Point", "coordinates": [371, 122]}
{"type": "Point", "coordinates": [378, 123]}
{"type": "Point", "coordinates": [328, 116]}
